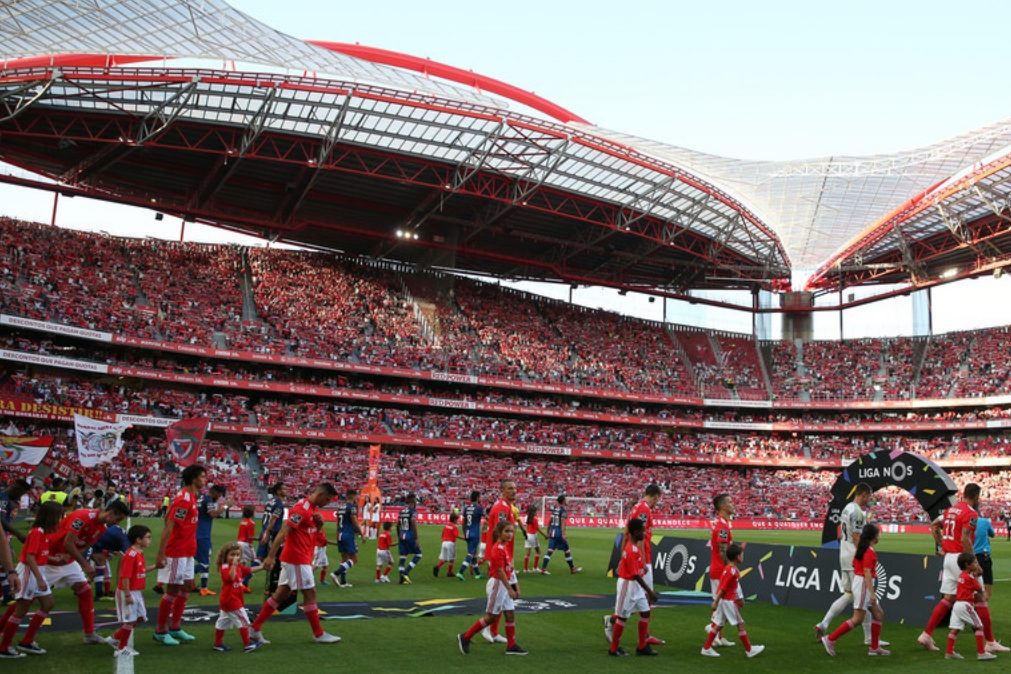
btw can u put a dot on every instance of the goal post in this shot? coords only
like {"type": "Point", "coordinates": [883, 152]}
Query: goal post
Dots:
{"type": "Point", "coordinates": [581, 506]}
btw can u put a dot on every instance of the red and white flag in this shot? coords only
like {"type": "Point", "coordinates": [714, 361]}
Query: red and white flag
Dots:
{"type": "Point", "coordinates": [97, 441]}
{"type": "Point", "coordinates": [26, 450]}
{"type": "Point", "coordinates": [184, 439]}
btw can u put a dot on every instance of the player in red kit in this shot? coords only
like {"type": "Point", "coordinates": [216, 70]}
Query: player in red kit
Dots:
{"type": "Point", "coordinates": [963, 613]}
{"type": "Point", "coordinates": [727, 602]}
{"type": "Point", "coordinates": [247, 539]}
{"type": "Point", "coordinates": [530, 542]}
{"type": "Point", "coordinates": [298, 534]}
{"type": "Point", "coordinates": [502, 590]}
{"type": "Point", "coordinates": [954, 532]}
{"type": "Point", "coordinates": [720, 538]}
{"type": "Point", "coordinates": [501, 511]}
{"type": "Point", "coordinates": [633, 594]}
{"type": "Point", "coordinates": [643, 511]}
{"type": "Point", "coordinates": [447, 554]}
{"type": "Point", "coordinates": [68, 566]}
{"type": "Point", "coordinates": [175, 557]}
{"type": "Point", "coordinates": [865, 599]}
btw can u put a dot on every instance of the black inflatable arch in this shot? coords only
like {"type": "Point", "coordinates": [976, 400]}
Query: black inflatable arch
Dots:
{"type": "Point", "coordinates": [924, 479]}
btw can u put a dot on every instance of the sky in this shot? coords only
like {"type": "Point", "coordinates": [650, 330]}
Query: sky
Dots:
{"type": "Point", "coordinates": [768, 80]}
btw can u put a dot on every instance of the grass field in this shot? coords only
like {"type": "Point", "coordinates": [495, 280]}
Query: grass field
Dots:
{"type": "Point", "coordinates": [558, 642]}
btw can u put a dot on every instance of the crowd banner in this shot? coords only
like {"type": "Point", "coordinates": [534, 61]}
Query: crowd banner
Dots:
{"type": "Point", "coordinates": [923, 479]}
{"type": "Point", "coordinates": [97, 441]}
{"type": "Point", "coordinates": [24, 450]}
{"type": "Point", "coordinates": [184, 438]}
{"type": "Point", "coordinates": [805, 577]}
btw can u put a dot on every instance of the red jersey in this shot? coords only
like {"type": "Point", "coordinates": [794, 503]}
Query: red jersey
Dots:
{"type": "Point", "coordinates": [35, 544]}
{"type": "Point", "coordinates": [500, 512]}
{"type": "Point", "coordinates": [232, 596]}
{"type": "Point", "coordinates": [958, 518]}
{"type": "Point", "coordinates": [86, 527]}
{"type": "Point", "coordinates": [247, 531]}
{"type": "Point", "coordinates": [385, 541]}
{"type": "Point", "coordinates": [721, 534]}
{"type": "Point", "coordinates": [643, 512]}
{"type": "Point", "coordinates": [632, 564]}
{"type": "Point", "coordinates": [869, 562]}
{"type": "Point", "coordinates": [968, 586]}
{"type": "Point", "coordinates": [182, 541]}
{"type": "Point", "coordinates": [299, 544]}
{"type": "Point", "coordinates": [729, 580]}
{"type": "Point", "coordinates": [132, 571]}
{"type": "Point", "coordinates": [449, 533]}
{"type": "Point", "coordinates": [533, 526]}
{"type": "Point", "coordinates": [499, 559]}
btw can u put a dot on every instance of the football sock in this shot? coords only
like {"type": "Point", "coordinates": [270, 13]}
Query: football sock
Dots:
{"type": "Point", "coordinates": [713, 631]}
{"type": "Point", "coordinates": [494, 624]}
{"type": "Point", "coordinates": [389, 568]}
{"type": "Point", "coordinates": [868, 625]}
{"type": "Point", "coordinates": [414, 563]}
{"type": "Point", "coordinates": [617, 627]}
{"type": "Point", "coordinates": [86, 607]}
{"type": "Point", "coordinates": [312, 613]}
{"type": "Point", "coordinates": [402, 565]}
{"type": "Point", "coordinates": [219, 637]}
{"type": "Point", "coordinates": [99, 581]}
{"type": "Point", "coordinates": [122, 635]}
{"type": "Point", "coordinates": [244, 633]}
{"type": "Point", "coordinates": [537, 560]}
{"type": "Point", "coordinates": [165, 612]}
{"type": "Point", "coordinates": [9, 631]}
{"type": "Point", "coordinates": [745, 641]}
{"type": "Point", "coordinates": [266, 611]}
{"type": "Point", "coordinates": [449, 572]}
{"type": "Point", "coordinates": [526, 562]}
{"type": "Point", "coordinates": [6, 616]}
{"type": "Point", "coordinates": [178, 608]}
{"type": "Point", "coordinates": [478, 625]}
{"type": "Point", "coordinates": [983, 611]}
{"type": "Point", "coordinates": [937, 615]}
{"type": "Point", "coordinates": [875, 634]}
{"type": "Point", "coordinates": [545, 559]}
{"type": "Point", "coordinates": [33, 626]}
{"type": "Point", "coordinates": [379, 572]}
{"type": "Point", "coordinates": [510, 630]}
{"type": "Point", "coordinates": [643, 632]}
{"type": "Point", "coordinates": [837, 607]}
{"type": "Point", "coordinates": [845, 627]}
{"type": "Point", "coordinates": [952, 635]}
{"type": "Point", "coordinates": [568, 559]}
{"type": "Point", "coordinates": [467, 561]}
{"type": "Point", "coordinates": [980, 642]}
{"type": "Point", "coordinates": [345, 566]}
{"type": "Point", "coordinates": [203, 580]}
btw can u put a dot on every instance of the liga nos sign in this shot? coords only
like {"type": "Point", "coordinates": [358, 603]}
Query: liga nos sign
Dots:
{"type": "Point", "coordinates": [806, 577]}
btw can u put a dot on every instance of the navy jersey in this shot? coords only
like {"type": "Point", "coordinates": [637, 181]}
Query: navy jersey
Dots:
{"type": "Point", "coordinates": [557, 520]}
{"type": "Point", "coordinates": [405, 521]}
{"type": "Point", "coordinates": [204, 519]}
{"type": "Point", "coordinates": [473, 513]}
{"type": "Point", "coordinates": [275, 508]}
{"type": "Point", "coordinates": [345, 525]}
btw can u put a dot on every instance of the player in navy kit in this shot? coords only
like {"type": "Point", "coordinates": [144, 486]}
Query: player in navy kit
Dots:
{"type": "Point", "coordinates": [557, 539]}
{"type": "Point", "coordinates": [407, 534]}
{"type": "Point", "coordinates": [473, 513]}
{"type": "Point", "coordinates": [273, 518]}
{"type": "Point", "coordinates": [209, 507]}
{"type": "Point", "coordinates": [347, 529]}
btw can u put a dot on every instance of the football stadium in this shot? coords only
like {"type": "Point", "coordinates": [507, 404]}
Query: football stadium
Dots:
{"type": "Point", "coordinates": [467, 376]}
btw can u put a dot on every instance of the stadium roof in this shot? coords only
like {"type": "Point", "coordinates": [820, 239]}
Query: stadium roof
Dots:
{"type": "Point", "coordinates": [364, 146]}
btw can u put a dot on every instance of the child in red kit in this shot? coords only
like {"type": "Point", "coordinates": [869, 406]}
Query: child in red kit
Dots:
{"type": "Point", "coordinates": [633, 594]}
{"type": "Point", "coordinates": [963, 613]}
{"type": "Point", "coordinates": [130, 584]}
{"type": "Point", "coordinates": [384, 558]}
{"type": "Point", "coordinates": [727, 603]}
{"type": "Point", "coordinates": [447, 554]}
{"type": "Point", "coordinates": [232, 600]}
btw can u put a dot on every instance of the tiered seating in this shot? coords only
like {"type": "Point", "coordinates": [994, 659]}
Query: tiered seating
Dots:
{"type": "Point", "coordinates": [988, 364]}
{"type": "Point", "coordinates": [786, 385]}
{"type": "Point", "coordinates": [843, 370]}
{"type": "Point", "coordinates": [740, 366]}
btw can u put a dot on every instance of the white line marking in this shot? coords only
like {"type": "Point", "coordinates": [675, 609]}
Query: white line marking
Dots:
{"type": "Point", "coordinates": [124, 663]}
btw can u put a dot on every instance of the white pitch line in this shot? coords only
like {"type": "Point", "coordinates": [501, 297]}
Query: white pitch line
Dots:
{"type": "Point", "coordinates": [124, 663]}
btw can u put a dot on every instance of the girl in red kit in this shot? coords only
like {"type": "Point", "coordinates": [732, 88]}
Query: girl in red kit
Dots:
{"type": "Point", "coordinates": [531, 542]}
{"type": "Point", "coordinates": [34, 556]}
{"type": "Point", "coordinates": [501, 594]}
{"type": "Point", "coordinates": [963, 614]}
{"type": "Point", "coordinates": [727, 603]}
{"type": "Point", "coordinates": [447, 554]}
{"type": "Point", "coordinates": [865, 564]}
{"type": "Point", "coordinates": [231, 602]}
{"type": "Point", "coordinates": [130, 608]}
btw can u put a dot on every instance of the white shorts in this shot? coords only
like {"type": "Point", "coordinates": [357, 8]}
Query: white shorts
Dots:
{"type": "Point", "coordinates": [715, 585]}
{"type": "Point", "coordinates": [64, 575]}
{"type": "Point", "coordinates": [498, 597]}
{"type": "Point", "coordinates": [846, 580]}
{"type": "Point", "coordinates": [629, 598]}
{"type": "Point", "coordinates": [727, 613]}
{"type": "Point", "coordinates": [448, 551]}
{"type": "Point", "coordinates": [861, 594]}
{"type": "Point", "coordinates": [383, 557]}
{"type": "Point", "coordinates": [963, 614]}
{"type": "Point", "coordinates": [297, 576]}
{"type": "Point", "coordinates": [530, 542]}
{"type": "Point", "coordinates": [232, 620]}
{"type": "Point", "coordinates": [29, 584]}
{"type": "Point", "coordinates": [133, 612]}
{"type": "Point", "coordinates": [319, 560]}
{"type": "Point", "coordinates": [248, 555]}
{"type": "Point", "coordinates": [177, 570]}
{"type": "Point", "coordinates": [949, 579]}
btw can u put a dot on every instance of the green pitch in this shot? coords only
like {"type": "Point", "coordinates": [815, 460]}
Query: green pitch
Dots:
{"type": "Point", "coordinates": [558, 642]}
